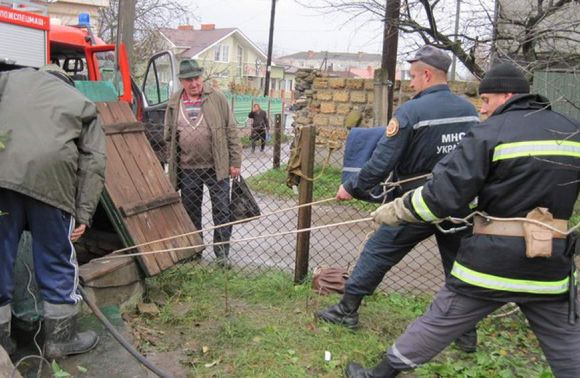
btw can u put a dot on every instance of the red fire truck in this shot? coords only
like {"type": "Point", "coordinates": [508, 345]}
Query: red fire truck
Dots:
{"type": "Point", "coordinates": [27, 39]}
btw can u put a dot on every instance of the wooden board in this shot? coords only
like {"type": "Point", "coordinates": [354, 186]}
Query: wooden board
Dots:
{"type": "Point", "coordinates": [135, 179]}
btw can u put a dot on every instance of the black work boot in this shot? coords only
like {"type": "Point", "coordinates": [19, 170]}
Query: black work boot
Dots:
{"type": "Point", "coordinates": [6, 340]}
{"type": "Point", "coordinates": [222, 256]}
{"type": "Point", "coordinates": [344, 313]}
{"type": "Point", "coordinates": [382, 370]}
{"type": "Point", "coordinates": [467, 342]}
{"type": "Point", "coordinates": [61, 338]}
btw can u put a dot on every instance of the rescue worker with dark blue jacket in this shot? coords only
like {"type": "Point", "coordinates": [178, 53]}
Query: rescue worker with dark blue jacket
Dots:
{"type": "Point", "coordinates": [520, 163]}
{"type": "Point", "coordinates": [421, 132]}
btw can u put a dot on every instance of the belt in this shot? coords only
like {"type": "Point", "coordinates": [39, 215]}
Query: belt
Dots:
{"type": "Point", "coordinates": [482, 226]}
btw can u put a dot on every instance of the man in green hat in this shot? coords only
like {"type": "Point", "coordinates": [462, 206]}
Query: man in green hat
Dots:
{"type": "Point", "coordinates": [204, 148]}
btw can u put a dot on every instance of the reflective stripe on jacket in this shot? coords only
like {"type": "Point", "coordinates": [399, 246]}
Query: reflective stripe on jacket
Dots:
{"type": "Point", "coordinates": [524, 156]}
{"type": "Point", "coordinates": [430, 126]}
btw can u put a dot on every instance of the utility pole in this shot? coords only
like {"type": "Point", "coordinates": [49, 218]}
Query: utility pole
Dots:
{"type": "Point", "coordinates": [454, 62]}
{"type": "Point", "coordinates": [496, 15]}
{"type": "Point", "coordinates": [388, 62]}
{"type": "Point", "coordinates": [126, 26]}
{"type": "Point", "coordinates": [270, 45]}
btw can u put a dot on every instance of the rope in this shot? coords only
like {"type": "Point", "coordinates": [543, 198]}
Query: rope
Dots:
{"type": "Point", "coordinates": [118, 251]}
{"type": "Point", "coordinates": [108, 257]}
{"type": "Point", "coordinates": [511, 309]}
{"type": "Point", "coordinates": [221, 225]}
{"type": "Point", "coordinates": [325, 165]}
{"type": "Point", "coordinates": [410, 179]}
{"type": "Point", "coordinates": [520, 219]}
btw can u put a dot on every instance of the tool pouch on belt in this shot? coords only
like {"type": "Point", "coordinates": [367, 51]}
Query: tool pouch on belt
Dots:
{"type": "Point", "coordinates": [329, 280]}
{"type": "Point", "coordinates": [538, 238]}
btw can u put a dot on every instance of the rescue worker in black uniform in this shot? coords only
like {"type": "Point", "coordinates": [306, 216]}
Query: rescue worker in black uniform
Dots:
{"type": "Point", "coordinates": [521, 162]}
{"type": "Point", "coordinates": [421, 132]}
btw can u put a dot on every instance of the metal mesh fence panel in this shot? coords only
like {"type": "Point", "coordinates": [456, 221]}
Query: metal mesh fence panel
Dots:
{"type": "Point", "coordinates": [206, 198]}
{"type": "Point", "coordinates": [419, 272]}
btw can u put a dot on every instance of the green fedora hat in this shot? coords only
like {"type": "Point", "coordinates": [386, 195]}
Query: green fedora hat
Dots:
{"type": "Point", "coordinates": [189, 68]}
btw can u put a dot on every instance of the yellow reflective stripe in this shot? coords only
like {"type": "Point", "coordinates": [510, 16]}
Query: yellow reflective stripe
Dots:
{"type": "Point", "coordinates": [489, 281]}
{"type": "Point", "coordinates": [536, 148]}
{"type": "Point", "coordinates": [421, 207]}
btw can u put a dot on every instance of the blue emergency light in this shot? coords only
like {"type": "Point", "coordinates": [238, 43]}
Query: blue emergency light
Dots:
{"type": "Point", "coordinates": [84, 20]}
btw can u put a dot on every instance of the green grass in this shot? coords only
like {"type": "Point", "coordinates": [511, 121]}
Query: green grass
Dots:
{"type": "Point", "coordinates": [273, 182]}
{"type": "Point", "coordinates": [575, 219]}
{"type": "Point", "coordinates": [267, 330]}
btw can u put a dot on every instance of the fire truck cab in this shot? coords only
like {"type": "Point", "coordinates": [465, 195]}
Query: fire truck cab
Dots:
{"type": "Point", "coordinates": [29, 40]}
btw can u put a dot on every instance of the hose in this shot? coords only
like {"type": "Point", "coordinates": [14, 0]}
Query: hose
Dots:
{"type": "Point", "coordinates": [113, 331]}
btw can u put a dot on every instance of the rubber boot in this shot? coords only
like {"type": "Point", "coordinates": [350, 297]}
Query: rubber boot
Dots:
{"type": "Point", "coordinates": [6, 340]}
{"type": "Point", "coordinates": [382, 370]}
{"type": "Point", "coordinates": [467, 342]}
{"type": "Point", "coordinates": [221, 254]}
{"type": "Point", "coordinates": [344, 313]}
{"type": "Point", "coordinates": [62, 338]}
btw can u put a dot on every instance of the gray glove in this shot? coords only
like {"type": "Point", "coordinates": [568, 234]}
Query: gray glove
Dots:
{"type": "Point", "coordinates": [394, 213]}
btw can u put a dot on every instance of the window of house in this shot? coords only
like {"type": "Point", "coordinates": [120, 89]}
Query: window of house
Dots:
{"type": "Point", "coordinates": [241, 60]}
{"type": "Point", "coordinates": [222, 53]}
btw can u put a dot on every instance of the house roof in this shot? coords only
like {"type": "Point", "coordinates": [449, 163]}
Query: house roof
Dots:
{"type": "Point", "coordinates": [195, 42]}
{"type": "Point", "coordinates": [317, 55]}
{"type": "Point", "coordinates": [363, 73]}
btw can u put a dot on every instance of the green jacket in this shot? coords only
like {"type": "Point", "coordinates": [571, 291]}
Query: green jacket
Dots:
{"type": "Point", "coordinates": [56, 150]}
{"type": "Point", "coordinates": [226, 146]}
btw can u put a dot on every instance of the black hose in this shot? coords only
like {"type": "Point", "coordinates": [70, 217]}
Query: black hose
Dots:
{"type": "Point", "coordinates": [113, 331]}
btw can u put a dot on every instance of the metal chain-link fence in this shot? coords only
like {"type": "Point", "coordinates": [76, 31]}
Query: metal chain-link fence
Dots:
{"type": "Point", "coordinates": [340, 246]}
{"type": "Point", "coordinates": [419, 272]}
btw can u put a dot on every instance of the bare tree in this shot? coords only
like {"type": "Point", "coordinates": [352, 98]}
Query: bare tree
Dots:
{"type": "Point", "coordinates": [431, 22]}
{"type": "Point", "coordinates": [547, 34]}
{"type": "Point", "coordinates": [150, 15]}
{"type": "Point", "coordinates": [426, 22]}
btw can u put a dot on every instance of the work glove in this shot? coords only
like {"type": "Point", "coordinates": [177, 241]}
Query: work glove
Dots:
{"type": "Point", "coordinates": [394, 213]}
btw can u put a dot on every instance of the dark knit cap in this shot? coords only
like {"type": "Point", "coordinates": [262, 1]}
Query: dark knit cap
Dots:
{"type": "Point", "coordinates": [504, 78]}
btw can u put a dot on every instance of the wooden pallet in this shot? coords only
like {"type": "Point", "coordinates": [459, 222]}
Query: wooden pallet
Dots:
{"type": "Point", "coordinates": [138, 197]}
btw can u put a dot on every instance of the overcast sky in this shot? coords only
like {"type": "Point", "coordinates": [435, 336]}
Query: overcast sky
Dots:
{"type": "Point", "coordinates": [296, 28]}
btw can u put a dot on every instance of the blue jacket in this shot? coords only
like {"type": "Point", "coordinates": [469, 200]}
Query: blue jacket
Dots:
{"type": "Point", "coordinates": [421, 132]}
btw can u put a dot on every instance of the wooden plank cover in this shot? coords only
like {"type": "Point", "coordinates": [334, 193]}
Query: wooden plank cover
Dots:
{"type": "Point", "coordinates": [135, 176]}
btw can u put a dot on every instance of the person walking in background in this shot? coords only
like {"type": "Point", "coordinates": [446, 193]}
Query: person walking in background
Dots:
{"type": "Point", "coordinates": [204, 149]}
{"type": "Point", "coordinates": [260, 127]}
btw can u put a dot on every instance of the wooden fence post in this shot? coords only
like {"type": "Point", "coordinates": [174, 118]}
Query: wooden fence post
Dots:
{"type": "Point", "coordinates": [277, 140]}
{"type": "Point", "coordinates": [305, 196]}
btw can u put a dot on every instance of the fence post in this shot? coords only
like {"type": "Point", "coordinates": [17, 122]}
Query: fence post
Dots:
{"type": "Point", "coordinates": [305, 196]}
{"type": "Point", "coordinates": [277, 140]}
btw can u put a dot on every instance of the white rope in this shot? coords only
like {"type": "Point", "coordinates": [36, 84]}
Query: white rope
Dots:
{"type": "Point", "coordinates": [386, 184]}
{"type": "Point", "coordinates": [520, 219]}
{"type": "Point", "coordinates": [232, 241]}
{"type": "Point", "coordinates": [220, 225]}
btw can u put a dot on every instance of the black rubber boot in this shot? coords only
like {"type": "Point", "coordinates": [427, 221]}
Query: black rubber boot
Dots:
{"type": "Point", "coordinates": [382, 370]}
{"type": "Point", "coordinates": [222, 256]}
{"type": "Point", "coordinates": [344, 313]}
{"type": "Point", "coordinates": [61, 338]}
{"type": "Point", "coordinates": [467, 342]}
{"type": "Point", "coordinates": [6, 340]}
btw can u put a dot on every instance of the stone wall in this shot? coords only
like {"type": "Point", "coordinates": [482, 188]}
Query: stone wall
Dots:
{"type": "Point", "coordinates": [334, 105]}
{"type": "Point", "coordinates": [337, 104]}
